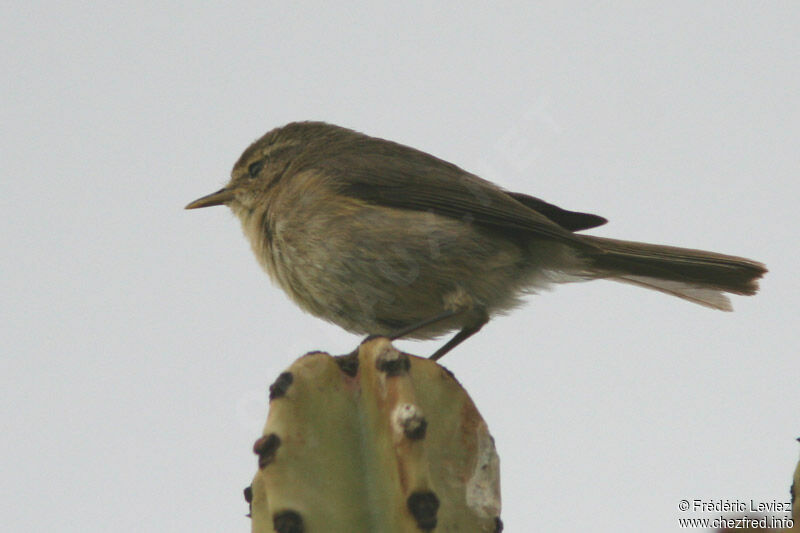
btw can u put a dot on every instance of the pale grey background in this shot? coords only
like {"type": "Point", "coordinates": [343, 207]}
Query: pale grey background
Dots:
{"type": "Point", "coordinates": [138, 339]}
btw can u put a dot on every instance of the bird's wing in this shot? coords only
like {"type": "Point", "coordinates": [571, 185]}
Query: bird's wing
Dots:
{"type": "Point", "coordinates": [390, 174]}
{"type": "Point", "coordinates": [571, 220]}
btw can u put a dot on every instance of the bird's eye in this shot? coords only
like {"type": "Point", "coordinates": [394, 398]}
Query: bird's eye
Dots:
{"type": "Point", "coordinates": [255, 168]}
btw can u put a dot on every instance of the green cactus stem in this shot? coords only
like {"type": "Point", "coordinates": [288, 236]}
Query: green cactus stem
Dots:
{"type": "Point", "coordinates": [378, 441]}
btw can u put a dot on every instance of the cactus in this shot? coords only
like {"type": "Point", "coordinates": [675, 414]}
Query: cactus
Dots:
{"type": "Point", "coordinates": [377, 441]}
{"type": "Point", "coordinates": [795, 494]}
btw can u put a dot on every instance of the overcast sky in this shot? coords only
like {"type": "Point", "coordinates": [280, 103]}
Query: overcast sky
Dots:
{"type": "Point", "coordinates": [138, 339]}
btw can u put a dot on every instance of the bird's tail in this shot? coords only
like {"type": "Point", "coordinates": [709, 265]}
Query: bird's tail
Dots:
{"type": "Point", "coordinates": [695, 275]}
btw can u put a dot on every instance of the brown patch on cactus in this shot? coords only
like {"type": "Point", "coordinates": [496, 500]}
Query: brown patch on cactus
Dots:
{"type": "Point", "coordinates": [471, 422]}
{"type": "Point", "coordinates": [348, 363]}
{"type": "Point", "coordinates": [392, 362]}
{"type": "Point", "coordinates": [423, 506]}
{"type": "Point", "coordinates": [288, 522]}
{"type": "Point", "coordinates": [266, 447]}
{"type": "Point", "coordinates": [281, 385]}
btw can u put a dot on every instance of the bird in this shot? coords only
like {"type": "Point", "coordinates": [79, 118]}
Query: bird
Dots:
{"type": "Point", "coordinates": [383, 239]}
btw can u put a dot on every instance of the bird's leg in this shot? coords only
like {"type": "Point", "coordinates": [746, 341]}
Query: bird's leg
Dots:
{"type": "Point", "coordinates": [479, 318]}
{"type": "Point", "coordinates": [465, 333]}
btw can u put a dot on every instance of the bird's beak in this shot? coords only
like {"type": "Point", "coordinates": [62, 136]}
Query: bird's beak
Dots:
{"type": "Point", "coordinates": [222, 196]}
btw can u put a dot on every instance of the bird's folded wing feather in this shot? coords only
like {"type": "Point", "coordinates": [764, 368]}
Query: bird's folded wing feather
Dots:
{"type": "Point", "coordinates": [398, 176]}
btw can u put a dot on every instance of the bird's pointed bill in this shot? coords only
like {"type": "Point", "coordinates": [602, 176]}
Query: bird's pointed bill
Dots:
{"type": "Point", "coordinates": [220, 197]}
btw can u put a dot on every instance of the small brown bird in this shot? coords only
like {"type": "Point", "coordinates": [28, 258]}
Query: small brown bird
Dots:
{"type": "Point", "coordinates": [381, 238]}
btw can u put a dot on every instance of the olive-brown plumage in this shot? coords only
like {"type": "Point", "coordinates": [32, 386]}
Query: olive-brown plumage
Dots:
{"type": "Point", "coordinates": [378, 237]}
